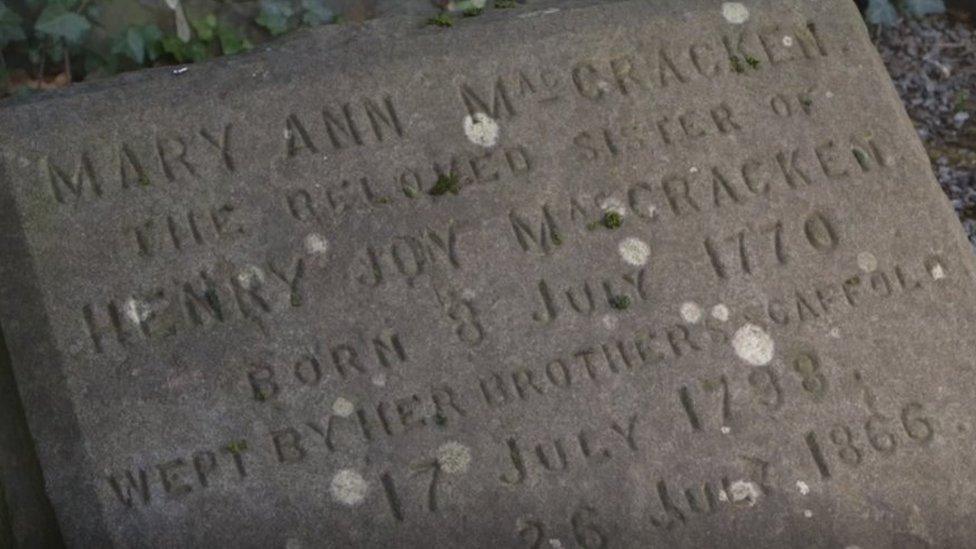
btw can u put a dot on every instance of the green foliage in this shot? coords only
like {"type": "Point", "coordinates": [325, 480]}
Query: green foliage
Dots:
{"type": "Point", "coordinates": [281, 16]}
{"type": "Point", "coordinates": [211, 33]}
{"type": "Point", "coordinates": [139, 43]}
{"type": "Point", "coordinates": [315, 12]}
{"type": "Point", "coordinates": [231, 41]}
{"type": "Point", "coordinates": [449, 183]}
{"type": "Point", "coordinates": [442, 19]}
{"type": "Point", "coordinates": [505, 4]}
{"type": "Point", "coordinates": [885, 12]}
{"type": "Point", "coordinates": [917, 8]}
{"type": "Point", "coordinates": [881, 12]}
{"type": "Point", "coordinates": [10, 26]}
{"type": "Point", "coordinates": [620, 302]}
{"type": "Point", "coordinates": [58, 21]}
{"type": "Point", "coordinates": [144, 45]}
{"type": "Point", "coordinates": [184, 52]}
{"type": "Point", "coordinates": [612, 220]}
{"type": "Point", "coordinates": [50, 43]}
{"type": "Point", "coordinates": [205, 28]}
{"type": "Point", "coordinates": [275, 16]}
{"type": "Point", "coordinates": [473, 12]}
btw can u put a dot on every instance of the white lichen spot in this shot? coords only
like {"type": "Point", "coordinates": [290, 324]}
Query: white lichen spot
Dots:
{"type": "Point", "coordinates": [481, 129]}
{"type": "Point", "coordinates": [613, 205]}
{"type": "Point", "coordinates": [937, 272]}
{"type": "Point", "coordinates": [691, 312]}
{"type": "Point", "coordinates": [853, 547]}
{"type": "Point", "coordinates": [745, 491]}
{"type": "Point", "coordinates": [808, 513]}
{"type": "Point", "coordinates": [453, 457]}
{"type": "Point", "coordinates": [723, 495]}
{"type": "Point", "coordinates": [788, 41]}
{"type": "Point", "coordinates": [610, 322]}
{"type": "Point", "coordinates": [348, 487]}
{"type": "Point", "coordinates": [867, 262]}
{"type": "Point", "coordinates": [635, 251]}
{"type": "Point", "coordinates": [829, 95]}
{"type": "Point", "coordinates": [720, 313]}
{"type": "Point", "coordinates": [343, 407]}
{"type": "Point", "coordinates": [468, 294]}
{"type": "Point", "coordinates": [316, 244]}
{"type": "Point", "coordinates": [835, 333]}
{"type": "Point", "coordinates": [137, 311]}
{"type": "Point", "coordinates": [555, 543]}
{"type": "Point", "coordinates": [694, 169]}
{"type": "Point", "coordinates": [650, 211]}
{"type": "Point", "coordinates": [379, 380]}
{"type": "Point", "coordinates": [803, 487]}
{"type": "Point", "coordinates": [250, 276]}
{"type": "Point", "coordinates": [735, 12]}
{"type": "Point", "coordinates": [725, 429]}
{"type": "Point", "coordinates": [753, 345]}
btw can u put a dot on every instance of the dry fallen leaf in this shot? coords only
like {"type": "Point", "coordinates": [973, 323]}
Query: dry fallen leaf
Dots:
{"type": "Point", "coordinates": [21, 79]}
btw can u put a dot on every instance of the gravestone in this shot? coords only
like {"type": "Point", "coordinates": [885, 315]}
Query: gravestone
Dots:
{"type": "Point", "coordinates": [26, 517]}
{"type": "Point", "coordinates": [569, 274]}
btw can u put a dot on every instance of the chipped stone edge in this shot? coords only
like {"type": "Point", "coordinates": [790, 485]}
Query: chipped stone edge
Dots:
{"type": "Point", "coordinates": [39, 369]}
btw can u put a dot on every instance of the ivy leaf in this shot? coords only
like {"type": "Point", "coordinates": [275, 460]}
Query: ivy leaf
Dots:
{"type": "Point", "coordinates": [274, 15]}
{"type": "Point", "coordinates": [139, 43]}
{"type": "Point", "coordinates": [153, 38]}
{"type": "Point", "coordinates": [230, 41]}
{"type": "Point", "coordinates": [881, 12]}
{"type": "Point", "coordinates": [923, 7]}
{"type": "Point", "coordinates": [135, 45]}
{"type": "Point", "coordinates": [176, 48]}
{"type": "Point", "coordinates": [205, 27]}
{"type": "Point", "coordinates": [56, 21]}
{"type": "Point", "coordinates": [10, 29]}
{"type": "Point", "coordinates": [93, 12]}
{"type": "Point", "coordinates": [316, 12]}
{"type": "Point", "coordinates": [98, 65]}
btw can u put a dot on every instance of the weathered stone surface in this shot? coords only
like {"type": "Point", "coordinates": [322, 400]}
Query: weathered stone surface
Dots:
{"type": "Point", "coordinates": [26, 517]}
{"type": "Point", "coordinates": [244, 309]}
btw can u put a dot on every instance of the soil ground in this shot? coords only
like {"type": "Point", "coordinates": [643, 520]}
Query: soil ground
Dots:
{"type": "Point", "coordinates": [933, 64]}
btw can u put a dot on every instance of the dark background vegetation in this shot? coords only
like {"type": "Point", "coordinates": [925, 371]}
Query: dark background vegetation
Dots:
{"type": "Point", "coordinates": [52, 43]}
{"type": "Point", "coordinates": [929, 47]}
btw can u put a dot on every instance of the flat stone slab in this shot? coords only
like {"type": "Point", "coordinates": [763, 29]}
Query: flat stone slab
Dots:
{"type": "Point", "coordinates": [563, 275]}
